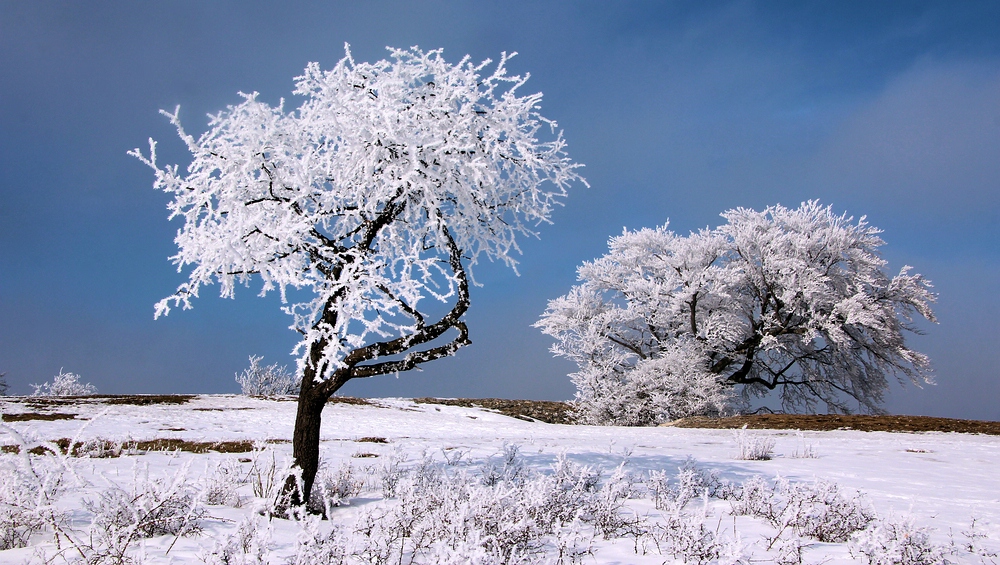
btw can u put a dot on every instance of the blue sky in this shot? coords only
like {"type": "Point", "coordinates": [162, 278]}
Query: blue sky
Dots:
{"type": "Point", "coordinates": [679, 110]}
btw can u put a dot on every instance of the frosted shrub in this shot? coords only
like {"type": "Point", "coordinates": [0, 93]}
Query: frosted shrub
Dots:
{"type": "Point", "coordinates": [692, 482]}
{"type": "Point", "coordinates": [64, 384]}
{"type": "Point", "coordinates": [685, 536]}
{"type": "Point", "coordinates": [609, 501]}
{"type": "Point", "coordinates": [267, 380]}
{"type": "Point", "coordinates": [248, 545]}
{"type": "Point", "coordinates": [222, 484]}
{"type": "Point", "coordinates": [753, 446]}
{"type": "Point", "coordinates": [4, 387]}
{"type": "Point", "coordinates": [19, 509]}
{"type": "Point", "coordinates": [896, 542]}
{"type": "Point", "coordinates": [389, 474]}
{"type": "Point", "coordinates": [503, 514]}
{"type": "Point", "coordinates": [818, 510]}
{"type": "Point", "coordinates": [151, 508]}
{"type": "Point", "coordinates": [334, 488]}
{"type": "Point", "coordinates": [312, 547]}
{"type": "Point", "coordinates": [30, 486]}
{"type": "Point", "coordinates": [973, 545]}
{"type": "Point", "coordinates": [508, 467]}
{"type": "Point", "coordinates": [803, 450]}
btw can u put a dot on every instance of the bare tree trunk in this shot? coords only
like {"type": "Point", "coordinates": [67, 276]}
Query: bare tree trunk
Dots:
{"type": "Point", "coordinates": [305, 437]}
{"type": "Point", "coordinates": [305, 444]}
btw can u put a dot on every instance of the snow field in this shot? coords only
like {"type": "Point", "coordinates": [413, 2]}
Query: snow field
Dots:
{"type": "Point", "coordinates": [939, 482]}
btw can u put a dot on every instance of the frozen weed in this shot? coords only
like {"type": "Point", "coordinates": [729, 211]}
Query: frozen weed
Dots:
{"type": "Point", "coordinates": [267, 479]}
{"type": "Point", "coordinates": [312, 547]}
{"type": "Point", "coordinates": [390, 472]}
{"type": "Point", "coordinates": [753, 446]}
{"type": "Point", "coordinates": [896, 542]}
{"type": "Point", "coordinates": [151, 508]}
{"type": "Point", "coordinates": [508, 467]}
{"type": "Point", "coordinates": [684, 536]}
{"type": "Point", "coordinates": [692, 482]}
{"type": "Point", "coordinates": [31, 483]}
{"type": "Point", "coordinates": [248, 545]}
{"type": "Point", "coordinates": [503, 514]}
{"type": "Point", "coordinates": [453, 456]}
{"type": "Point", "coordinates": [802, 449]}
{"type": "Point", "coordinates": [817, 510]}
{"type": "Point", "coordinates": [334, 488]}
{"type": "Point", "coordinates": [607, 504]}
{"type": "Point", "coordinates": [221, 486]}
{"type": "Point", "coordinates": [973, 544]}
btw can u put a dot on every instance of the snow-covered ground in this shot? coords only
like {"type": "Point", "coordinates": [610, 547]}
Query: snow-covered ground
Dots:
{"type": "Point", "coordinates": [940, 481]}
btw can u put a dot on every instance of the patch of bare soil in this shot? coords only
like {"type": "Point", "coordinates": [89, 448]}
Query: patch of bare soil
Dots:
{"type": "Point", "coordinates": [131, 399]}
{"type": "Point", "coordinates": [546, 411]}
{"type": "Point", "coordinates": [147, 399]}
{"type": "Point", "coordinates": [161, 444]}
{"type": "Point", "coordinates": [821, 422]}
{"type": "Point", "coordinates": [349, 400]}
{"type": "Point", "coordinates": [47, 416]}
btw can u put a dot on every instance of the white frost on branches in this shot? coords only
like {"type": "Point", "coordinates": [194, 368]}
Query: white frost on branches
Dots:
{"type": "Point", "coordinates": [266, 380]}
{"type": "Point", "coordinates": [794, 300]}
{"type": "Point", "coordinates": [64, 384]}
{"type": "Point", "coordinates": [369, 195]}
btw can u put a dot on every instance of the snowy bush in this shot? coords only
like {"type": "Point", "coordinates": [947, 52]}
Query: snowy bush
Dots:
{"type": "Point", "coordinates": [816, 510]}
{"type": "Point", "coordinates": [504, 513]}
{"type": "Point", "coordinates": [248, 545]}
{"type": "Point", "coordinates": [222, 483]}
{"type": "Point", "coordinates": [973, 545]}
{"type": "Point", "coordinates": [334, 488]}
{"type": "Point", "coordinates": [64, 384]}
{"type": "Point", "coordinates": [753, 446]}
{"type": "Point", "coordinates": [21, 515]}
{"type": "Point", "coordinates": [31, 483]}
{"type": "Point", "coordinates": [267, 380]}
{"type": "Point", "coordinates": [896, 542]}
{"type": "Point", "coordinates": [684, 536]}
{"type": "Point", "coordinates": [312, 547]}
{"type": "Point", "coordinates": [167, 506]}
{"type": "Point", "coordinates": [4, 387]}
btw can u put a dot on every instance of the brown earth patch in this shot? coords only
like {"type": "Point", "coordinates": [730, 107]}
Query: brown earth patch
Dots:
{"type": "Point", "coordinates": [47, 416]}
{"type": "Point", "coordinates": [349, 400]}
{"type": "Point", "coordinates": [131, 399]}
{"type": "Point", "coordinates": [547, 411]}
{"type": "Point", "coordinates": [823, 422]}
{"type": "Point", "coordinates": [147, 399]}
{"type": "Point", "coordinates": [161, 444]}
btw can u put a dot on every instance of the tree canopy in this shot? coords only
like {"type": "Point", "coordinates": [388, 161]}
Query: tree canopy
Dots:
{"type": "Point", "coordinates": [787, 300]}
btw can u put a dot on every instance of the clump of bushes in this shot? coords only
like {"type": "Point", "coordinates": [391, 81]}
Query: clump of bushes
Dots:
{"type": "Point", "coordinates": [64, 384]}
{"type": "Point", "coordinates": [267, 380]}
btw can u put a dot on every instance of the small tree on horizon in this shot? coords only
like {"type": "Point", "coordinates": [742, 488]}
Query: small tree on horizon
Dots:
{"type": "Point", "coordinates": [383, 188]}
{"type": "Point", "coordinates": [788, 300]}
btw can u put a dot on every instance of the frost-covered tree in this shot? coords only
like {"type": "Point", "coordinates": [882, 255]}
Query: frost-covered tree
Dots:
{"type": "Point", "coordinates": [382, 189]}
{"type": "Point", "coordinates": [788, 300]}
